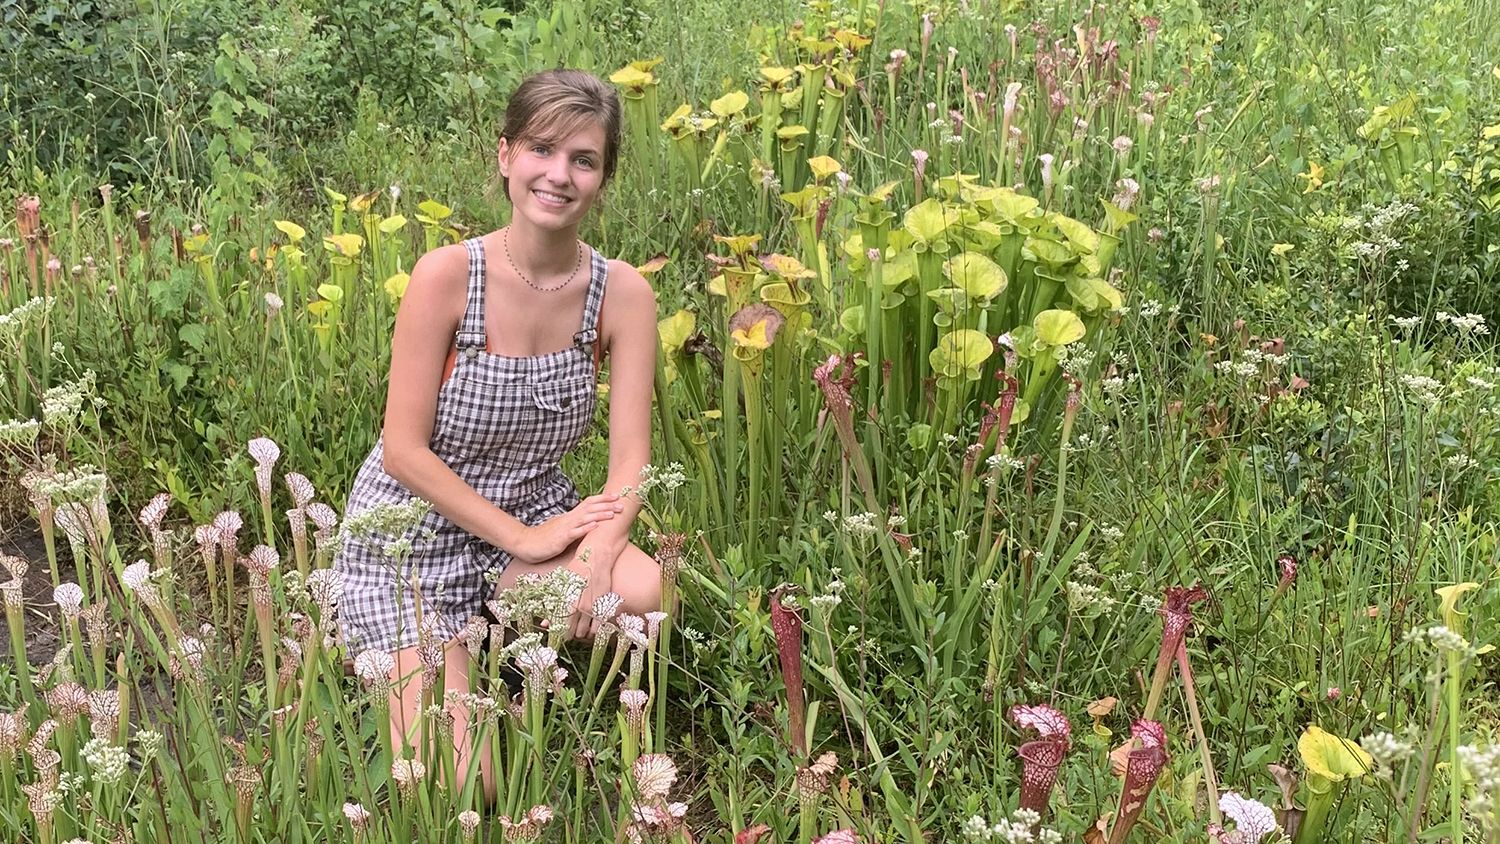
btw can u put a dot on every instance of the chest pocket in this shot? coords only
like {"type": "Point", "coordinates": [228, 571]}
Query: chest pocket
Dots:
{"type": "Point", "coordinates": [560, 411]}
{"type": "Point", "coordinates": [481, 410]}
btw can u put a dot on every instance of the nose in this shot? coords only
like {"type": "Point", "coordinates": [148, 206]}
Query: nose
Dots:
{"type": "Point", "coordinates": [557, 170]}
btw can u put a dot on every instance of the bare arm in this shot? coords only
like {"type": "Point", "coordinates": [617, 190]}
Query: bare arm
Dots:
{"type": "Point", "coordinates": [425, 324]}
{"type": "Point", "coordinates": [631, 309]}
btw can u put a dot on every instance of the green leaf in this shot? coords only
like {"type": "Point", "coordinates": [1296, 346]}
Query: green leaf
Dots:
{"type": "Point", "coordinates": [978, 276]}
{"type": "Point", "coordinates": [929, 221]}
{"type": "Point", "coordinates": [1058, 327]}
{"type": "Point", "coordinates": [193, 334]}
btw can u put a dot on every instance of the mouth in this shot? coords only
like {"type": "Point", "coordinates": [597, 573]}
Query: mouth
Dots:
{"type": "Point", "coordinates": [552, 200]}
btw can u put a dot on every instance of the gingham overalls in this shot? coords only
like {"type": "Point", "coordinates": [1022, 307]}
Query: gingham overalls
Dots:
{"type": "Point", "coordinates": [503, 425]}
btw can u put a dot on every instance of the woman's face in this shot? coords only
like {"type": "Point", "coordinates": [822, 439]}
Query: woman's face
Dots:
{"type": "Point", "coordinates": [554, 185]}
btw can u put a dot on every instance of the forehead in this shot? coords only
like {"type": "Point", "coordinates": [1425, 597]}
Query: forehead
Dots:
{"type": "Point", "coordinates": [571, 130]}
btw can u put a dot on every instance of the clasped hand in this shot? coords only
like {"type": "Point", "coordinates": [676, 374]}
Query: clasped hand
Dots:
{"type": "Point", "coordinates": [543, 542]}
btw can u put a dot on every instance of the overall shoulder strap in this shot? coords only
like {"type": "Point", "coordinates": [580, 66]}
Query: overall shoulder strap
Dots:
{"type": "Point", "coordinates": [588, 333]}
{"type": "Point", "coordinates": [471, 330]}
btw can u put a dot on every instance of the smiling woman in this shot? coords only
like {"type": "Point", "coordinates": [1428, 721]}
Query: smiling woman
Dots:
{"type": "Point", "coordinates": [484, 402]}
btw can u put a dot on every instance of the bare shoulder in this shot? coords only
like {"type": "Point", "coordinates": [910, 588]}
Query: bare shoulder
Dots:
{"type": "Point", "coordinates": [628, 290]}
{"type": "Point", "coordinates": [439, 283]}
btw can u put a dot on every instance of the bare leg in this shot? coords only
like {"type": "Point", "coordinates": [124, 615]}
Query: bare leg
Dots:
{"type": "Point", "coordinates": [406, 710]}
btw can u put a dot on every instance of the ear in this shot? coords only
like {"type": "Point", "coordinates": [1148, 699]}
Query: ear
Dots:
{"type": "Point", "coordinates": [503, 155]}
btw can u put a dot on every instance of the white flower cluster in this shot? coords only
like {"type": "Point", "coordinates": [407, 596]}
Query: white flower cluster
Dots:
{"type": "Point", "coordinates": [14, 322]}
{"type": "Point", "coordinates": [1460, 462]}
{"type": "Point", "coordinates": [1482, 767]}
{"type": "Point", "coordinates": [1426, 390]}
{"type": "Point", "coordinates": [1150, 308]}
{"type": "Point", "coordinates": [1386, 749]}
{"type": "Point", "coordinates": [108, 762]}
{"type": "Point", "coordinates": [830, 599]}
{"type": "Point", "coordinates": [392, 523]}
{"type": "Point", "coordinates": [1022, 827]}
{"type": "Point", "coordinates": [1406, 324]}
{"type": "Point", "coordinates": [1440, 638]}
{"type": "Point", "coordinates": [84, 483]}
{"type": "Point", "coordinates": [1466, 324]}
{"type": "Point", "coordinates": [20, 432]}
{"type": "Point", "coordinates": [1110, 533]}
{"type": "Point", "coordinates": [862, 525]}
{"type": "Point", "coordinates": [668, 479]}
{"type": "Point", "coordinates": [1116, 384]}
{"type": "Point", "coordinates": [1077, 359]}
{"type": "Point", "coordinates": [1087, 600]}
{"type": "Point", "coordinates": [62, 404]}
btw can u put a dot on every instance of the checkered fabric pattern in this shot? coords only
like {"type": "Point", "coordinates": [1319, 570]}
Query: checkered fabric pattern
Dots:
{"type": "Point", "coordinates": [502, 424]}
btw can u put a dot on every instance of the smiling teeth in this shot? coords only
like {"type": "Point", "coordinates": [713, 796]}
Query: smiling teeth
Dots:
{"type": "Point", "coordinates": [551, 196]}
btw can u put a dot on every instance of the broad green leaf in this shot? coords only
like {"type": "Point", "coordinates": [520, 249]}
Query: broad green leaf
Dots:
{"type": "Point", "coordinates": [928, 221]}
{"type": "Point", "coordinates": [852, 320]}
{"type": "Point", "coordinates": [823, 166]}
{"type": "Point", "coordinates": [976, 275]}
{"type": "Point", "coordinates": [1058, 327]}
{"type": "Point", "coordinates": [674, 331]}
{"type": "Point", "coordinates": [433, 211]}
{"type": "Point", "coordinates": [1084, 239]}
{"type": "Point", "coordinates": [964, 349]}
{"type": "Point", "coordinates": [294, 232]}
{"type": "Point", "coordinates": [730, 104]}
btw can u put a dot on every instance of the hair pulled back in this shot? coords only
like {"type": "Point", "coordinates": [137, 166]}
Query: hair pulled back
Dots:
{"type": "Point", "coordinates": [554, 104]}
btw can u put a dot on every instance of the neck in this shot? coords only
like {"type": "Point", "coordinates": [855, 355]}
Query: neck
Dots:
{"type": "Point", "coordinates": [539, 252]}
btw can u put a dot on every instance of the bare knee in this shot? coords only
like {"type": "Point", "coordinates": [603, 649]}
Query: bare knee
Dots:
{"type": "Point", "coordinates": [637, 579]}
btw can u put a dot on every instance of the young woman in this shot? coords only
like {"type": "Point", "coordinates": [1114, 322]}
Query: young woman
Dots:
{"type": "Point", "coordinates": [494, 370]}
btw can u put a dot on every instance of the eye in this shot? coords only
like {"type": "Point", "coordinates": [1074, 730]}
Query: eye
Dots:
{"type": "Point", "coordinates": [584, 161]}
{"type": "Point", "coordinates": [540, 149]}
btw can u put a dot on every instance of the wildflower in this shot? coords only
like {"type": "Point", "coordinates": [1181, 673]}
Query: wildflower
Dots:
{"type": "Point", "coordinates": [358, 816]}
{"type": "Point", "coordinates": [19, 432]}
{"type": "Point", "coordinates": [1253, 820]}
{"type": "Point", "coordinates": [468, 823]}
{"type": "Point", "coordinates": [1386, 750]}
{"type": "Point", "coordinates": [1333, 693]}
{"type": "Point", "coordinates": [106, 761]}
{"type": "Point", "coordinates": [1482, 769]}
{"type": "Point", "coordinates": [69, 599]}
{"type": "Point", "coordinates": [151, 743]}
{"type": "Point", "coordinates": [920, 162]}
{"type": "Point", "coordinates": [1121, 145]}
{"type": "Point", "coordinates": [838, 836]}
{"type": "Point", "coordinates": [274, 304]}
{"type": "Point", "coordinates": [408, 774]}
{"type": "Point", "coordinates": [654, 775]}
{"type": "Point", "coordinates": [1126, 191]}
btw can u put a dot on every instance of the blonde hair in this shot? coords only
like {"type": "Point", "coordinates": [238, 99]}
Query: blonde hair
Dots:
{"type": "Point", "coordinates": [552, 105]}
